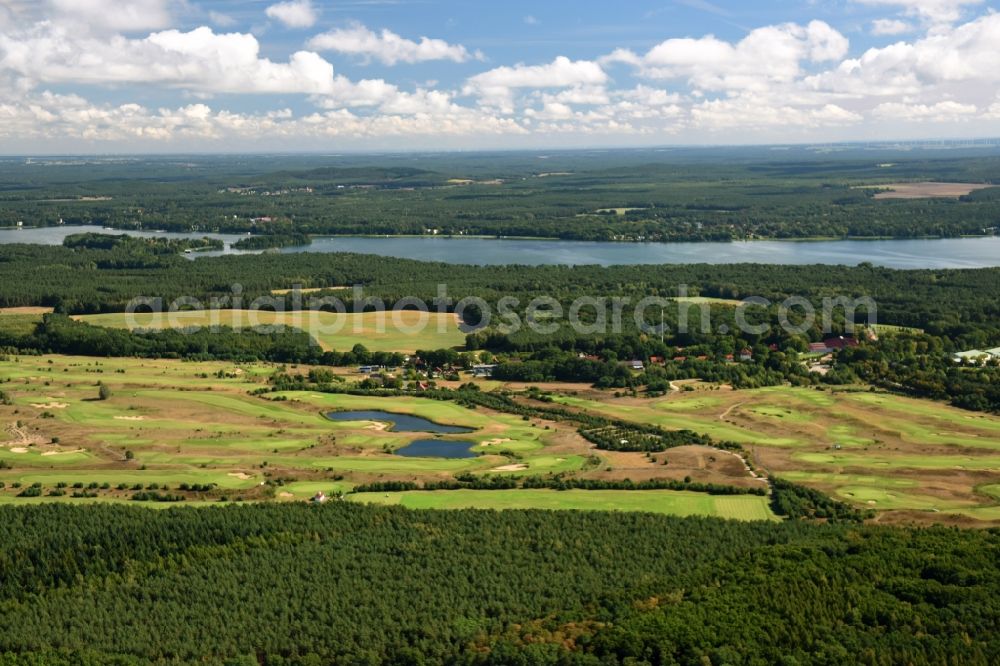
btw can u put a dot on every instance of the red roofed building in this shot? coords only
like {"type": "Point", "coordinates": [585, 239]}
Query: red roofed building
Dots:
{"type": "Point", "coordinates": [840, 343]}
{"type": "Point", "coordinates": [832, 344]}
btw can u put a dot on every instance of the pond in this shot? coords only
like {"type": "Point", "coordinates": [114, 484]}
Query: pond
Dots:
{"type": "Point", "coordinates": [399, 422]}
{"type": "Point", "coordinates": [437, 448]}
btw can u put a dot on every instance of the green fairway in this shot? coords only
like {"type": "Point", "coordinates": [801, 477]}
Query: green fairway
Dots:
{"type": "Point", "coordinates": [878, 498]}
{"type": "Point", "coordinates": [145, 477]}
{"type": "Point", "coordinates": [675, 503]}
{"type": "Point", "coordinates": [842, 460]}
{"type": "Point", "coordinates": [400, 331]}
{"type": "Point", "coordinates": [848, 479]}
{"type": "Point", "coordinates": [688, 414]}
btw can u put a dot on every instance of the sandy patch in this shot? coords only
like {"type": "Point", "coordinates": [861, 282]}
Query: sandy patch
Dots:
{"type": "Point", "coordinates": [285, 495]}
{"type": "Point", "coordinates": [242, 476]}
{"type": "Point", "coordinates": [310, 290]}
{"type": "Point", "coordinates": [130, 418]}
{"type": "Point", "coordinates": [50, 405]}
{"type": "Point", "coordinates": [19, 449]}
{"type": "Point", "coordinates": [519, 467]}
{"type": "Point", "coordinates": [377, 425]}
{"type": "Point", "coordinates": [495, 442]}
{"type": "Point", "coordinates": [61, 453]}
{"type": "Point", "coordinates": [927, 190]}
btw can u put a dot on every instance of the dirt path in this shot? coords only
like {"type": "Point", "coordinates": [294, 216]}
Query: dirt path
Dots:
{"type": "Point", "coordinates": [725, 414]}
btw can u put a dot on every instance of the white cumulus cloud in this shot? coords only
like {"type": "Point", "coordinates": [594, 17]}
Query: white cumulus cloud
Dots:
{"type": "Point", "coordinates": [496, 86]}
{"type": "Point", "coordinates": [932, 11]}
{"type": "Point", "coordinates": [940, 112]}
{"type": "Point", "coordinates": [388, 47]}
{"type": "Point", "coordinates": [114, 15]}
{"type": "Point", "coordinates": [293, 13]}
{"type": "Point", "coordinates": [768, 55]}
{"type": "Point", "coordinates": [890, 27]}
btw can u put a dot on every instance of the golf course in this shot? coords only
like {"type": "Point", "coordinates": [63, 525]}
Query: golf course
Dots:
{"type": "Point", "coordinates": [216, 427]}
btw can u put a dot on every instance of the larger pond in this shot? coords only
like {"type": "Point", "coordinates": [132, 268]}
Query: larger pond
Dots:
{"type": "Point", "coordinates": [399, 422]}
{"type": "Point", "coordinates": [911, 253]}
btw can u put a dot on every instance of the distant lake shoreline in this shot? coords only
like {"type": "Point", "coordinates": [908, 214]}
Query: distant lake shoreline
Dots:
{"type": "Point", "coordinates": [966, 252]}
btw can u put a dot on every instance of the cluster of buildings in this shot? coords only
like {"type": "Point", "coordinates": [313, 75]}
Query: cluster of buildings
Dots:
{"type": "Point", "coordinates": [832, 344]}
{"type": "Point", "coordinates": [745, 355]}
{"type": "Point", "coordinates": [250, 191]}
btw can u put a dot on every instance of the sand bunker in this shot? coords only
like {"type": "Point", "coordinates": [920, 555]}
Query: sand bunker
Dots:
{"type": "Point", "coordinates": [19, 449]}
{"type": "Point", "coordinates": [377, 425]}
{"type": "Point", "coordinates": [494, 442]}
{"type": "Point", "coordinates": [130, 418]}
{"type": "Point", "coordinates": [242, 476]}
{"type": "Point", "coordinates": [62, 453]}
{"type": "Point", "coordinates": [520, 467]}
{"type": "Point", "coordinates": [50, 405]}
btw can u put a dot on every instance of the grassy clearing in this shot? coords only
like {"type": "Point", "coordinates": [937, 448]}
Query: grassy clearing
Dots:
{"type": "Point", "coordinates": [675, 503]}
{"type": "Point", "coordinates": [403, 331]}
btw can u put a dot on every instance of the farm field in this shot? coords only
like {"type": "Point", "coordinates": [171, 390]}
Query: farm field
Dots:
{"type": "Point", "coordinates": [876, 450]}
{"type": "Point", "coordinates": [20, 321]}
{"type": "Point", "coordinates": [676, 503]}
{"type": "Point", "coordinates": [402, 331]}
{"type": "Point", "coordinates": [927, 190]}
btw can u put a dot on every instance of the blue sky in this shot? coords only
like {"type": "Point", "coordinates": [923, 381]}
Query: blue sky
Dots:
{"type": "Point", "coordinates": [178, 75]}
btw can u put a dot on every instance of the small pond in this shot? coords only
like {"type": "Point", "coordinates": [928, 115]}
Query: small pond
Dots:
{"type": "Point", "coordinates": [399, 422]}
{"type": "Point", "coordinates": [437, 448]}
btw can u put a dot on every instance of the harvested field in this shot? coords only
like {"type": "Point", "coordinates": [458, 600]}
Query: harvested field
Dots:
{"type": "Point", "coordinates": [928, 190]}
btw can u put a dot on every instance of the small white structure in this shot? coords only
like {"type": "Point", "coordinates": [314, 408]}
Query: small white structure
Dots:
{"type": "Point", "coordinates": [319, 498]}
{"type": "Point", "coordinates": [977, 356]}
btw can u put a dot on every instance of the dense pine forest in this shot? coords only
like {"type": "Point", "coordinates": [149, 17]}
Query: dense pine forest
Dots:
{"type": "Point", "coordinates": [345, 584]}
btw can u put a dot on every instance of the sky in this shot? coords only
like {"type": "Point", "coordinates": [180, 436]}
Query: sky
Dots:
{"type": "Point", "coordinates": [134, 76]}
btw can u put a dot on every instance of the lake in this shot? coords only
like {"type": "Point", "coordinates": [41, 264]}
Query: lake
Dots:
{"type": "Point", "coordinates": [908, 253]}
{"type": "Point", "coordinates": [437, 448]}
{"type": "Point", "coordinates": [399, 422]}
